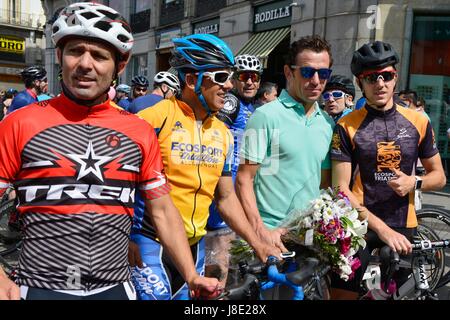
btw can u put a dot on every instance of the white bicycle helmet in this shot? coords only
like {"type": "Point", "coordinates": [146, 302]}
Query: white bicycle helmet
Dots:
{"type": "Point", "coordinates": [94, 20]}
{"type": "Point", "coordinates": [168, 78]}
{"type": "Point", "coordinates": [246, 62]}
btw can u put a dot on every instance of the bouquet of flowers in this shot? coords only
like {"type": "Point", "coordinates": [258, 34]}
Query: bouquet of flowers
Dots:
{"type": "Point", "coordinates": [331, 228]}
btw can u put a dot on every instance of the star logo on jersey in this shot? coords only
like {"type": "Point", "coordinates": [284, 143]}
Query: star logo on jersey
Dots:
{"type": "Point", "coordinates": [89, 162]}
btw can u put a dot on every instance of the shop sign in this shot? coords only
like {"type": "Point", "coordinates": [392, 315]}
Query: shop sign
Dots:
{"type": "Point", "coordinates": [12, 48]}
{"type": "Point", "coordinates": [164, 38]}
{"type": "Point", "coordinates": [272, 16]}
{"type": "Point", "coordinates": [12, 44]}
{"type": "Point", "coordinates": [209, 27]}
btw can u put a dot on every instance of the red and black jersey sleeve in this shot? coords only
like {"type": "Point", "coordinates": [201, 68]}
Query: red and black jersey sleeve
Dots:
{"type": "Point", "coordinates": [153, 182]}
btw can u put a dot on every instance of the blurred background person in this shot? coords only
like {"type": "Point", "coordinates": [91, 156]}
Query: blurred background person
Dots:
{"type": "Point", "coordinates": [122, 92]}
{"type": "Point", "coordinates": [165, 86]}
{"type": "Point", "coordinates": [7, 99]}
{"type": "Point", "coordinates": [139, 87]}
{"type": "Point", "coordinates": [268, 91]}
{"type": "Point", "coordinates": [338, 96]}
{"type": "Point", "coordinates": [35, 80]}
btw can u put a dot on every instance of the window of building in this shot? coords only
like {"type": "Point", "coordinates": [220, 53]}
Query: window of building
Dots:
{"type": "Point", "coordinates": [140, 5]}
{"type": "Point", "coordinates": [139, 66]}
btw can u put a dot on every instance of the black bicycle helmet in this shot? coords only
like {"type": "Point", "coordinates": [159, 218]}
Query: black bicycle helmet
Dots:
{"type": "Point", "coordinates": [139, 81]}
{"type": "Point", "coordinates": [375, 55]}
{"type": "Point", "coordinates": [338, 82]}
{"type": "Point", "coordinates": [33, 73]}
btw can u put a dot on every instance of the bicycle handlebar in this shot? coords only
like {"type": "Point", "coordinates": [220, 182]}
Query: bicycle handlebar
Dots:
{"type": "Point", "coordinates": [429, 245]}
{"type": "Point", "coordinates": [294, 280]}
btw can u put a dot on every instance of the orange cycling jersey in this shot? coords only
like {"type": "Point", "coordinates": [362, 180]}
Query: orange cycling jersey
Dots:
{"type": "Point", "coordinates": [375, 142]}
{"type": "Point", "coordinates": [195, 155]}
{"type": "Point", "coordinates": [75, 170]}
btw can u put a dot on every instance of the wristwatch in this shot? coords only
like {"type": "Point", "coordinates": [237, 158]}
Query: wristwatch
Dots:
{"type": "Point", "coordinates": [418, 184]}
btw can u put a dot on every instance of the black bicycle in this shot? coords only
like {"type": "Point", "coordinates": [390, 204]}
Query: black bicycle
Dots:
{"type": "Point", "coordinates": [439, 222]}
{"type": "Point", "coordinates": [425, 267]}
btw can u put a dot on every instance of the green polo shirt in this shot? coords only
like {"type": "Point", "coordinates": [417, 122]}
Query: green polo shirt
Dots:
{"type": "Point", "coordinates": [291, 149]}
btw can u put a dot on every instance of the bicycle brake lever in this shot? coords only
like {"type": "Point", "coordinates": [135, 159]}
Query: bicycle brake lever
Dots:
{"type": "Point", "coordinates": [289, 254]}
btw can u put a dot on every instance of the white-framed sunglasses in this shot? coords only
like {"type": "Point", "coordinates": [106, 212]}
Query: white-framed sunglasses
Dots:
{"type": "Point", "coordinates": [337, 94]}
{"type": "Point", "coordinates": [219, 77]}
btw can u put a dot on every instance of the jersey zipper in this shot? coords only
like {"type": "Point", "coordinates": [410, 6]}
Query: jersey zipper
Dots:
{"type": "Point", "coordinates": [199, 129]}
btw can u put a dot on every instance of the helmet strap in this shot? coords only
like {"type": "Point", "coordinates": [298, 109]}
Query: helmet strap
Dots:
{"type": "Point", "coordinates": [198, 91]}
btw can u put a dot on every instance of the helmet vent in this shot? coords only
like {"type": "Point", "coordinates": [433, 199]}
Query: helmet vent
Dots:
{"type": "Point", "coordinates": [123, 38]}
{"type": "Point", "coordinates": [108, 14]}
{"type": "Point", "coordinates": [89, 15]}
{"type": "Point", "coordinates": [103, 25]}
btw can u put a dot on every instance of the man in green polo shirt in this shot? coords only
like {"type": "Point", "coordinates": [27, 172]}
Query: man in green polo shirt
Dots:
{"type": "Point", "coordinates": [285, 149]}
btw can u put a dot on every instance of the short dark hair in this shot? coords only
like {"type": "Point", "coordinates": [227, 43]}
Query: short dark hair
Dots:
{"type": "Point", "coordinates": [265, 87]}
{"type": "Point", "coordinates": [314, 43]}
{"type": "Point", "coordinates": [410, 94]}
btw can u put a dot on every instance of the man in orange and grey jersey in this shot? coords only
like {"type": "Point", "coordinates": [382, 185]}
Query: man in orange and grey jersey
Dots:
{"type": "Point", "coordinates": [374, 153]}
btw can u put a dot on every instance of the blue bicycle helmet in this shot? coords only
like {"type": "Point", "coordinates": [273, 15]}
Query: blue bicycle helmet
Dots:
{"type": "Point", "coordinates": [200, 52]}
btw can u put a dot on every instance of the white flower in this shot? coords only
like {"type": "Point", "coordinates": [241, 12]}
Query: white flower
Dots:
{"type": "Point", "coordinates": [344, 267]}
{"type": "Point", "coordinates": [307, 222]}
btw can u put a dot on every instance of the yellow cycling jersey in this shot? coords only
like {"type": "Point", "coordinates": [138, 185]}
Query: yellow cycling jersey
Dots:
{"type": "Point", "coordinates": [195, 155]}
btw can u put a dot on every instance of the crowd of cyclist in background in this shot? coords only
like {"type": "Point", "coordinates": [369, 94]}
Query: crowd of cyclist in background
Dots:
{"type": "Point", "coordinates": [338, 99]}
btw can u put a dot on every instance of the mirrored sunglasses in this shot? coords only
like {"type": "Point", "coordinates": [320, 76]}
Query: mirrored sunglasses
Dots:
{"type": "Point", "coordinates": [309, 72]}
{"type": "Point", "coordinates": [219, 77]}
{"type": "Point", "coordinates": [335, 94]}
{"type": "Point", "coordinates": [244, 76]}
{"type": "Point", "coordinates": [373, 77]}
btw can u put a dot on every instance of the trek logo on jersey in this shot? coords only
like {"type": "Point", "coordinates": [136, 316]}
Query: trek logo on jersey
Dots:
{"type": "Point", "coordinates": [96, 172]}
{"type": "Point", "coordinates": [32, 194]}
{"type": "Point", "coordinates": [389, 157]}
{"type": "Point", "coordinates": [195, 153]}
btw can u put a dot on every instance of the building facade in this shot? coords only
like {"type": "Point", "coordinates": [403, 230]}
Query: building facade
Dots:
{"type": "Point", "coordinates": [22, 39]}
{"type": "Point", "coordinates": [418, 29]}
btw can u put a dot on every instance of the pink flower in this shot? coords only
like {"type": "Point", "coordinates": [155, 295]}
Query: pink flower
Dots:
{"type": "Point", "coordinates": [345, 245]}
{"type": "Point", "coordinates": [355, 264]}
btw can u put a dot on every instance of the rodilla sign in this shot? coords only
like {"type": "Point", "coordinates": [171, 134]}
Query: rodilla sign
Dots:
{"type": "Point", "coordinates": [272, 16]}
{"type": "Point", "coordinates": [12, 48]}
